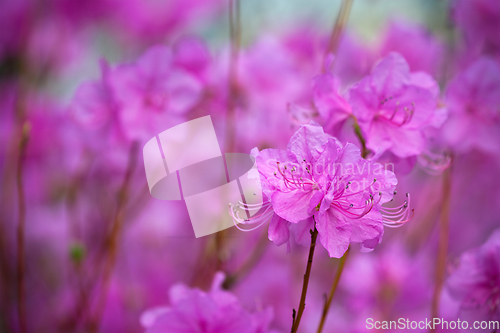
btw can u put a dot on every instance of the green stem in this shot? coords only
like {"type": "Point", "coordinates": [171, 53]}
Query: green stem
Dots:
{"type": "Point", "coordinates": [359, 134]}
{"type": "Point", "coordinates": [336, 280]}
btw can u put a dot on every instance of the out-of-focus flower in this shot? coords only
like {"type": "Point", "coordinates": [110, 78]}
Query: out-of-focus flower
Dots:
{"type": "Point", "coordinates": [393, 106]}
{"type": "Point", "coordinates": [422, 50]}
{"type": "Point", "coordinates": [479, 21]}
{"type": "Point", "coordinates": [385, 285]}
{"type": "Point", "coordinates": [149, 22]}
{"type": "Point", "coordinates": [140, 99]}
{"type": "Point", "coordinates": [353, 59]}
{"type": "Point", "coordinates": [330, 104]}
{"type": "Point", "coordinates": [476, 282]}
{"type": "Point", "coordinates": [473, 101]}
{"type": "Point", "coordinates": [268, 78]}
{"type": "Point", "coordinates": [388, 280]}
{"type": "Point", "coordinates": [319, 177]}
{"type": "Point", "coordinates": [215, 311]}
{"type": "Point", "coordinates": [150, 87]}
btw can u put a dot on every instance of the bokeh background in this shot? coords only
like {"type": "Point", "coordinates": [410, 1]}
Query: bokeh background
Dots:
{"type": "Point", "coordinates": [85, 248]}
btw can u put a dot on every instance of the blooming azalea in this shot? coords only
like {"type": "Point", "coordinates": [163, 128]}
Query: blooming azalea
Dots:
{"type": "Point", "coordinates": [319, 179]}
{"type": "Point", "coordinates": [393, 106]}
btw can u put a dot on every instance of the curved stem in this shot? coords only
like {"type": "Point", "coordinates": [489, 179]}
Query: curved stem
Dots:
{"type": "Point", "coordinates": [359, 134]}
{"type": "Point", "coordinates": [21, 299]}
{"type": "Point", "coordinates": [336, 280]}
{"type": "Point", "coordinates": [114, 237]}
{"type": "Point", "coordinates": [302, 303]}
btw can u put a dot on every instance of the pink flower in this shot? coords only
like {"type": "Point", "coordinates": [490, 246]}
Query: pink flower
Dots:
{"type": "Point", "coordinates": [330, 104]}
{"type": "Point", "coordinates": [476, 282]}
{"type": "Point", "coordinates": [479, 21]}
{"type": "Point", "coordinates": [195, 311]}
{"type": "Point", "coordinates": [318, 177]}
{"type": "Point", "coordinates": [393, 106]}
{"type": "Point", "coordinates": [422, 50]}
{"type": "Point", "coordinates": [140, 99]}
{"type": "Point", "coordinates": [148, 88]}
{"type": "Point", "coordinates": [473, 99]}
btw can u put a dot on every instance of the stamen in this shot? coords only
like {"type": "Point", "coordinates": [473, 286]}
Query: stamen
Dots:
{"type": "Point", "coordinates": [265, 210]}
{"type": "Point", "coordinates": [395, 217]}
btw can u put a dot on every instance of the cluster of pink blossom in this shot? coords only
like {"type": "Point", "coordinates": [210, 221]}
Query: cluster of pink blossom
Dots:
{"type": "Point", "coordinates": [344, 130]}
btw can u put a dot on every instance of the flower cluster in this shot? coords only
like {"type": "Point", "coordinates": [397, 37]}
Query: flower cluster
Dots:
{"type": "Point", "coordinates": [337, 116]}
{"type": "Point", "coordinates": [319, 178]}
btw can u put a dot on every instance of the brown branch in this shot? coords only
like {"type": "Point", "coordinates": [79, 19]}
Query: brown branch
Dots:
{"type": "Point", "coordinates": [336, 280]}
{"type": "Point", "coordinates": [302, 303]}
{"type": "Point", "coordinates": [443, 243]}
{"type": "Point", "coordinates": [114, 237]}
{"type": "Point", "coordinates": [21, 294]}
{"type": "Point", "coordinates": [338, 30]}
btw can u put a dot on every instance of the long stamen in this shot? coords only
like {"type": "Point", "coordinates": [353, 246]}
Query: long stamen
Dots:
{"type": "Point", "coordinates": [265, 210]}
{"type": "Point", "coordinates": [408, 113]}
{"type": "Point", "coordinates": [363, 190]}
{"type": "Point", "coordinates": [397, 216]}
{"type": "Point", "coordinates": [294, 183]}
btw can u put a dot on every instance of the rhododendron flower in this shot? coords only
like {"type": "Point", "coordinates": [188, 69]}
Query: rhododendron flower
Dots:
{"type": "Point", "coordinates": [329, 103]}
{"type": "Point", "coordinates": [479, 21]}
{"type": "Point", "coordinates": [137, 96]}
{"type": "Point", "coordinates": [393, 105]}
{"type": "Point", "coordinates": [153, 85]}
{"type": "Point", "coordinates": [422, 50]}
{"type": "Point", "coordinates": [319, 178]}
{"type": "Point", "coordinates": [476, 282]}
{"type": "Point", "coordinates": [473, 99]}
{"type": "Point", "coordinates": [194, 311]}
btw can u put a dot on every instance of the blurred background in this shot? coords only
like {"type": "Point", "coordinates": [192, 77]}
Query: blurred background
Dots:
{"type": "Point", "coordinates": [83, 85]}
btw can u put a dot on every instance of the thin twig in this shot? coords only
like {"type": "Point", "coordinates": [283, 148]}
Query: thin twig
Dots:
{"type": "Point", "coordinates": [443, 243]}
{"type": "Point", "coordinates": [246, 267]}
{"type": "Point", "coordinates": [336, 280]}
{"type": "Point", "coordinates": [338, 30]}
{"type": "Point", "coordinates": [233, 86]}
{"type": "Point", "coordinates": [302, 303]}
{"type": "Point", "coordinates": [21, 295]}
{"type": "Point", "coordinates": [114, 236]}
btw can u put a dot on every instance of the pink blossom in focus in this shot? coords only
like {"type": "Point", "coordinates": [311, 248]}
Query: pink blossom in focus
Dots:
{"type": "Point", "coordinates": [318, 176]}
